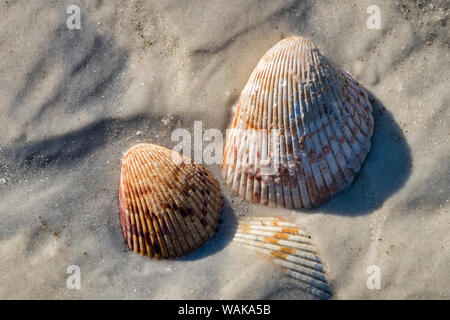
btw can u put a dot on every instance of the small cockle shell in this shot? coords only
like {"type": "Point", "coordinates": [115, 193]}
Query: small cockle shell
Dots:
{"type": "Point", "coordinates": [168, 205]}
{"type": "Point", "coordinates": [301, 129]}
{"type": "Point", "coordinates": [287, 245]}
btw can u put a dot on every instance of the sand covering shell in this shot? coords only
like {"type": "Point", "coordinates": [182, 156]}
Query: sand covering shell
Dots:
{"type": "Point", "coordinates": [287, 245]}
{"type": "Point", "coordinates": [301, 129]}
{"type": "Point", "coordinates": [168, 205]}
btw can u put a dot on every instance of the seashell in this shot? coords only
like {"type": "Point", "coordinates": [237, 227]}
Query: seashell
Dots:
{"type": "Point", "coordinates": [300, 131]}
{"type": "Point", "coordinates": [168, 205]}
{"type": "Point", "coordinates": [288, 246]}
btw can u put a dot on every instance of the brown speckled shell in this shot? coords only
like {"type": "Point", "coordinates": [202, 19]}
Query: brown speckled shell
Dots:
{"type": "Point", "coordinates": [320, 118]}
{"type": "Point", "coordinates": [168, 205]}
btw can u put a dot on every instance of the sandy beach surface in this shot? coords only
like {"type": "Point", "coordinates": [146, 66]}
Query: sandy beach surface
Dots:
{"type": "Point", "coordinates": [73, 101]}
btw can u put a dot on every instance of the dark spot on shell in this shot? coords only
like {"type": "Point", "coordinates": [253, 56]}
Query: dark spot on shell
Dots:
{"type": "Point", "coordinates": [183, 212]}
{"type": "Point", "coordinates": [293, 181]}
{"type": "Point", "coordinates": [312, 156]}
{"type": "Point", "coordinates": [164, 227]}
{"type": "Point", "coordinates": [204, 222]}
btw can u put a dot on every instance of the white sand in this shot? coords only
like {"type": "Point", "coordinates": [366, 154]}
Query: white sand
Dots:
{"type": "Point", "coordinates": [72, 102]}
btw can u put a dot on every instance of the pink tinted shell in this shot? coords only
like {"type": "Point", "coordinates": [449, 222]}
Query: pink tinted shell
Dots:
{"type": "Point", "coordinates": [301, 129]}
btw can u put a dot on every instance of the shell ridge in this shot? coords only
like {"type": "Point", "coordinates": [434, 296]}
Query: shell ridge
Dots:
{"type": "Point", "coordinates": [264, 139]}
{"type": "Point", "coordinates": [306, 260]}
{"type": "Point", "coordinates": [153, 203]}
{"type": "Point", "coordinates": [301, 199]}
{"type": "Point", "coordinates": [275, 191]}
{"type": "Point", "coordinates": [271, 238]}
{"type": "Point", "coordinates": [138, 245]}
{"type": "Point", "coordinates": [292, 266]}
{"type": "Point", "coordinates": [163, 188]}
{"type": "Point", "coordinates": [190, 173]}
{"type": "Point", "coordinates": [289, 123]}
{"type": "Point", "coordinates": [349, 132]}
{"type": "Point", "coordinates": [203, 233]}
{"type": "Point", "coordinates": [137, 223]}
{"type": "Point", "coordinates": [254, 188]}
{"type": "Point", "coordinates": [257, 192]}
{"type": "Point", "coordinates": [326, 168]}
{"type": "Point", "coordinates": [311, 278]}
{"type": "Point", "coordinates": [124, 213]}
{"type": "Point", "coordinates": [240, 179]}
{"type": "Point", "coordinates": [238, 176]}
{"type": "Point", "coordinates": [307, 165]}
{"type": "Point", "coordinates": [345, 116]}
{"type": "Point", "coordinates": [172, 245]}
{"type": "Point", "coordinates": [157, 221]}
{"type": "Point", "coordinates": [282, 112]}
{"type": "Point", "coordinates": [194, 197]}
{"type": "Point", "coordinates": [315, 150]}
{"type": "Point", "coordinates": [337, 133]}
{"type": "Point", "coordinates": [282, 229]}
{"type": "Point", "coordinates": [309, 173]}
{"type": "Point", "coordinates": [362, 112]}
{"type": "Point", "coordinates": [325, 136]}
{"type": "Point", "coordinates": [318, 289]}
{"type": "Point", "coordinates": [278, 160]}
{"type": "Point", "coordinates": [301, 173]}
{"type": "Point", "coordinates": [197, 228]}
{"type": "Point", "coordinates": [134, 232]}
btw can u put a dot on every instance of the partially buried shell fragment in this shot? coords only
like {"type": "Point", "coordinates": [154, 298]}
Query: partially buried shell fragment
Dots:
{"type": "Point", "coordinates": [288, 246]}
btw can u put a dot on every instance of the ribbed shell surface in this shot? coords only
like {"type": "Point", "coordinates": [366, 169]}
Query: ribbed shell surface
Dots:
{"type": "Point", "coordinates": [168, 205]}
{"type": "Point", "coordinates": [301, 129]}
{"type": "Point", "coordinates": [287, 245]}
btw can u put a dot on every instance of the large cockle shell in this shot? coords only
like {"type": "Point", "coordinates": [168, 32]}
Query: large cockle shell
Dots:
{"type": "Point", "coordinates": [300, 131]}
{"type": "Point", "coordinates": [168, 205]}
{"type": "Point", "coordinates": [288, 246]}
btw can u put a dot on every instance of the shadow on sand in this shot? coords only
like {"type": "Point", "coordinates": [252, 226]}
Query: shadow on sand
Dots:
{"type": "Point", "coordinates": [386, 169]}
{"type": "Point", "coordinates": [222, 237]}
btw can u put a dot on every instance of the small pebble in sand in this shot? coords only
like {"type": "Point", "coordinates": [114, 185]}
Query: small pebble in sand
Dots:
{"type": "Point", "coordinates": [139, 133]}
{"type": "Point", "coordinates": [2, 181]}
